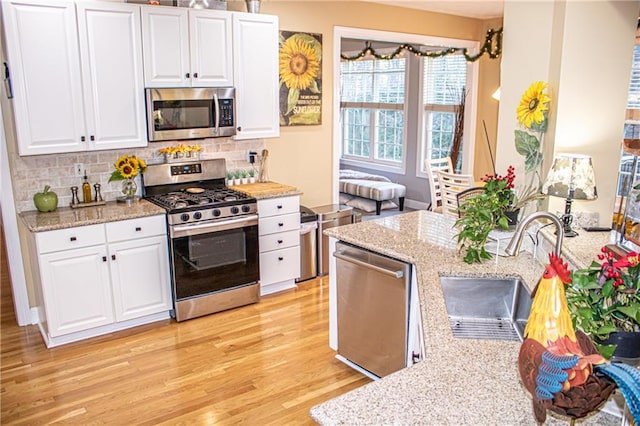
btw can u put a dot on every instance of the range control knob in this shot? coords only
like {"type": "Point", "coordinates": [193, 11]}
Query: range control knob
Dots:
{"type": "Point", "coordinates": [245, 209]}
{"type": "Point", "coordinates": [197, 215]}
{"type": "Point", "coordinates": [216, 212]}
{"type": "Point", "coordinates": [234, 210]}
{"type": "Point", "coordinates": [184, 217]}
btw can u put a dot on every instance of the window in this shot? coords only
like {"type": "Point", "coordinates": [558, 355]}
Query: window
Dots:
{"type": "Point", "coordinates": [372, 110]}
{"type": "Point", "coordinates": [633, 101]}
{"type": "Point", "coordinates": [631, 126]}
{"type": "Point", "coordinates": [443, 89]}
{"type": "Point", "coordinates": [389, 116]}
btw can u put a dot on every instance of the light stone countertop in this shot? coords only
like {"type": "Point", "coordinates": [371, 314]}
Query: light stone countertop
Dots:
{"type": "Point", "coordinates": [460, 381]}
{"type": "Point", "coordinates": [66, 217]}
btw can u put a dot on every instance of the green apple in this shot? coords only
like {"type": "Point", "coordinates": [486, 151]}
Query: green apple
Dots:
{"type": "Point", "coordinates": [46, 201]}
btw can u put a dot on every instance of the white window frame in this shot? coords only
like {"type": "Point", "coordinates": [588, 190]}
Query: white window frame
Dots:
{"type": "Point", "coordinates": [471, 108]}
{"type": "Point", "coordinates": [468, 137]}
{"type": "Point", "coordinates": [382, 165]}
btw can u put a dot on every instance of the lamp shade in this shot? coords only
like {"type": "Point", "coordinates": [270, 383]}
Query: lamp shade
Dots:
{"type": "Point", "coordinates": [572, 177]}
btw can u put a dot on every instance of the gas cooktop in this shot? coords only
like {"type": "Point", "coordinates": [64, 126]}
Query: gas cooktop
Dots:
{"type": "Point", "coordinates": [199, 198]}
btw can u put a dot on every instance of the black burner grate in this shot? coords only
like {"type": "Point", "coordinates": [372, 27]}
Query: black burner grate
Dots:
{"type": "Point", "coordinates": [208, 198]}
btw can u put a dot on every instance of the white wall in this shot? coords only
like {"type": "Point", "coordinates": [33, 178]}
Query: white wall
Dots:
{"type": "Point", "coordinates": [584, 50]}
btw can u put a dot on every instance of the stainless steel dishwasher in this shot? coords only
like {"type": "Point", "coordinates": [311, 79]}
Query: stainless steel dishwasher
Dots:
{"type": "Point", "coordinates": [329, 216]}
{"type": "Point", "coordinates": [372, 309]}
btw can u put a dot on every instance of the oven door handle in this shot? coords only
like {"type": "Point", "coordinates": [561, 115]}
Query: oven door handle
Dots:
{"type": "Point", "coordinates": [204, 228]}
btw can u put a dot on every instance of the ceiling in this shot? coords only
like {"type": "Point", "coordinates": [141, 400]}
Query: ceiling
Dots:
{"type": "Point", "coordinates": [481, 9]}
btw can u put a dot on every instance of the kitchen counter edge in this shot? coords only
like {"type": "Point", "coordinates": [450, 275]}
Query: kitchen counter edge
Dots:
{"type": "Point", "coordinates": [67, 217]}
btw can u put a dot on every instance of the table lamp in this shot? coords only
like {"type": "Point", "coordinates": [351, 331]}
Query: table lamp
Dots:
{"type": "Point", "coordinates": [571, 177]}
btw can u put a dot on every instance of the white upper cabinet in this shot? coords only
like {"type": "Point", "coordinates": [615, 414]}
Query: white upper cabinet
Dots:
{"type": "Point", "coordinates": [77, 76]}
{"type": "Point", "coordinates": [46, 77]}
{"type": "Point", "coordinates": [187, 47]}
{"type": "Point", "coordinates": [256, 75]}
{"type": "Point", "coordinates": [113, 82]}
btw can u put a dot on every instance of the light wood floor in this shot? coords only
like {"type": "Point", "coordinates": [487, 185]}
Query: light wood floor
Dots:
{"type": "Point", "coordinates": [267, 363]}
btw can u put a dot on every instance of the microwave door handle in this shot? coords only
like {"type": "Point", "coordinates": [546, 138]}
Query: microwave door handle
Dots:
{"type": "Point", "coordinates": [216, 110]}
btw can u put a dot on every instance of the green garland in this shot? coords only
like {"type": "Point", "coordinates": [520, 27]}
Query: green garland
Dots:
{"type": "Point", "coordinates": [487, 47]}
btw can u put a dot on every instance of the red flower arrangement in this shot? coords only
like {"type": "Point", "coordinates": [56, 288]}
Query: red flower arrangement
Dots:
{"type": "Point", "coordinates": [605, 297]}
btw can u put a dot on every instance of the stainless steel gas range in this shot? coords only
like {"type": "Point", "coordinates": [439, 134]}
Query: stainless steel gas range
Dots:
{"type": "Point", "coordinates": [213, 235]}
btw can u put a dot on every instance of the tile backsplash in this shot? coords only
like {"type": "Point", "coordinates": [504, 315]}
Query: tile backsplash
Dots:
{"type": "Point", "coordinates": [31, 173]}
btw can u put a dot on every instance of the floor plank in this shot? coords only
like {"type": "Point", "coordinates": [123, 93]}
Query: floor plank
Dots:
{"type": "Point", "coordinates": [261, 364]}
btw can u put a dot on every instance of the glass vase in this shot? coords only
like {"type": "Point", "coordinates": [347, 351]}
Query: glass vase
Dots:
{"type": "Point", "coordinates": [129, 188]}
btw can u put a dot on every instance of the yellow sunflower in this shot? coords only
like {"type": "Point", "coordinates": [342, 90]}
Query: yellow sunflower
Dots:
{"type": "Point", "coordinates": [533, 105]}
{"type": "Point", "coordinates": [299, 63]}
{"type": "Point", "coordinates": [127, 167]}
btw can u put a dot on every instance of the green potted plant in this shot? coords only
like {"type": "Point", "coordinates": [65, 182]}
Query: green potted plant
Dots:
{"type": "Point", "coordinates": [244, 176]}
{"type": "Point", "coordinates": [236, 177]}
{"type": "Point", "coordinates": [497, 206]}
{"type": "Point", "coordinates": [604, 301]}
{"type": "Point", "coordinates": [229, 178]}
{"type": "Point", "coordinates": [252, 175]}
{"type": "Point", "coordinates": [482, 213]}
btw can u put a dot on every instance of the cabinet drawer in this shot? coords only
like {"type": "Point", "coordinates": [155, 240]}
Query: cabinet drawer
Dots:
{"type": "Point", "coordinates": [271, 225]}
{"type": "Point", "coordinates": [70, 238]}
{"type": "Point", "coordinates": [136, 228]}
{"type": "Point", "coordinates": [274, 206]}
{"type": "Point", "coordinates": [279, 265]}
{"type": "Point", "coordinates": [279, 241]}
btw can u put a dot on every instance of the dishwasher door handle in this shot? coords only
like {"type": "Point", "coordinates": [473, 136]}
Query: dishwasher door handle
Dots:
{"type": "Point", "coordinates": [339, 254]}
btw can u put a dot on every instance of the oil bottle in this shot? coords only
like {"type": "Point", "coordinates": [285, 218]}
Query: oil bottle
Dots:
{"type": "Point", "coordinates": [86, 189]}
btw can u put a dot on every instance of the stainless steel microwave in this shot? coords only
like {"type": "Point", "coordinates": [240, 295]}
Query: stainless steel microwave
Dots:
{"type": "Point", "coordinates": [190, 113]}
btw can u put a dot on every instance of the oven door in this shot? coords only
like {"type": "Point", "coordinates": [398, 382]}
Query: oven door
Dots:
{"type": "Point", "coordinates": [214, 256]}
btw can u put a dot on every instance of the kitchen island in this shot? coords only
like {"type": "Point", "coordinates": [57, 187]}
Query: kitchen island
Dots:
{"type": "Point", "coordinates": [460, 381]}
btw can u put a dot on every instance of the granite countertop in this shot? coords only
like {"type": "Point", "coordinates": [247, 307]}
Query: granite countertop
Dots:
{"type": "Point", "coordinates": [66, 217]}
{"type": "Point", "coordinates": [460, 381]}
{"type": "Point", "coordinates": [262, 190]}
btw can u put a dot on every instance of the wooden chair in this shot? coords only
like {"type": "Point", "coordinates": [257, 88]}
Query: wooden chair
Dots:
{"type": "Point", "coordinates": [468, 193]}
{"type": "Point", "coordinates": [432, 166]}
{"type": "Point", "coordinates": [451, 184]}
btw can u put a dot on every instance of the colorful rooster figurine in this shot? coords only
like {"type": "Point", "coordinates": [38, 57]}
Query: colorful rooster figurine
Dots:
{"type": "Point", "coordinates": [560, 367]}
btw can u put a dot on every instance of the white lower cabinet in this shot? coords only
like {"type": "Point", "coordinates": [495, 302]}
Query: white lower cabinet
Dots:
{"type": "Point", "coordinates": [76, 290]}
{"type": "Point", "coordinates": [97, 279]}
{"type": "Point", "coordinates": [279, 230]}
{"type": "Point", "coordinates": [138, 270]}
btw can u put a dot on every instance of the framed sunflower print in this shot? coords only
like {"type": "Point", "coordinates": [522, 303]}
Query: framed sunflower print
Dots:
{"type": "Point", "coordinates": [300, 68]}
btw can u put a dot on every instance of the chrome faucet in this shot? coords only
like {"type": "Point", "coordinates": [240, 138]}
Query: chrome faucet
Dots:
{"type": "Point", "coordinates": [516, 241]}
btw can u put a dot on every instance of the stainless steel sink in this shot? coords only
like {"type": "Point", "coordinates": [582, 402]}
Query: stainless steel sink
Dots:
{"type": "Point", "coordinates": [486, 307]}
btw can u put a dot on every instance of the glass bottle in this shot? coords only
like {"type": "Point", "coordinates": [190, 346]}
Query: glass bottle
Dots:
{"type": "Point", "coordinates": [86, 189]}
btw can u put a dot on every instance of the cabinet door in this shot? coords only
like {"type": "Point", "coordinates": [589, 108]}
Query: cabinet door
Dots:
{"type": "Point", "coordinates": [111, 53]}
{"type": "Point", "coordinates": [211, 47]}
{"type": "Point", "coordinates": [76, 290]}
{"type": "Point", "coordinates": [44, 61]}
{"type": "Point", "coordinates": [140, 277]}
{"type": "Point", "coordinates": [165, 42]}
{"type": "Point", "coordinates": [279, 265]}
{"type": "Point", "coordinates": [255, 68]}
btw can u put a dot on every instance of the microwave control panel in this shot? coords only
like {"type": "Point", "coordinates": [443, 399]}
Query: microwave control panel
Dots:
{"type": "Point", "coordinates": [226, 112]}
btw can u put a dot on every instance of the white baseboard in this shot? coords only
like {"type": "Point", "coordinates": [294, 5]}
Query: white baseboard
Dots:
{"type": "Point", "coordinates": [416, 205]}
{"type": "Point", "coordinates": [276, 287]}
{"type": "Point", "coordinates": [35, 317]}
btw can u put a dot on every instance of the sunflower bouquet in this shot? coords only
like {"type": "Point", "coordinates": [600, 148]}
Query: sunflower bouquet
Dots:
{"type": "Point", "coordinates": [128, 167]}
{"type": "Point", "coordinates": [179, 152]}
{"type": "Point", "coordinates": [533, 118]}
